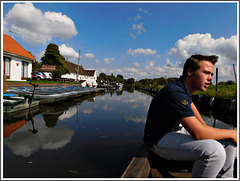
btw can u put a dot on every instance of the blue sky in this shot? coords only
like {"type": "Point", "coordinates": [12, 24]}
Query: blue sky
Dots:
{"type": "Point", "coordinates": [136, 40]}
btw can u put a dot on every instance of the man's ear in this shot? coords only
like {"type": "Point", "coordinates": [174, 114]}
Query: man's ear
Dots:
{"type": "Point", "coordinates": [189, 71]}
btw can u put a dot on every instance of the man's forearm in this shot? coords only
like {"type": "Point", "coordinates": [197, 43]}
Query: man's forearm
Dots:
{"type": "Point", "coordinates": [202, 131]}
{"type": "Point", "coordinates": [219, 134]}
{"type": "Point", "coordinates": [197, 114]}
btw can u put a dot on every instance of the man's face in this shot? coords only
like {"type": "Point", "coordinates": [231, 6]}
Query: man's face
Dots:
{"type": "Point", "coordinates": [202, 77]}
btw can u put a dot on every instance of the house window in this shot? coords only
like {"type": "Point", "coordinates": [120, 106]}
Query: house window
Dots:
{"type": "Point", "coordinates": [24, 70]}
{"type": "Point", "coordinates": [6, 69]}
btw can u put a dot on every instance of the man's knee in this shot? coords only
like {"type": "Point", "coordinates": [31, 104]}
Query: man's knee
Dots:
{"type": "Point", "coordinates": [215, 151]}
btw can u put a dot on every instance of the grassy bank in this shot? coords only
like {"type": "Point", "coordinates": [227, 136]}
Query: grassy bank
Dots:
{"type": "Point", "coordinates": [224, 91]}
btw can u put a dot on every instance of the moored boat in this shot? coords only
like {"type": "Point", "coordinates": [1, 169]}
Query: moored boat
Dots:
{"type": "Point", "coordinates": [57, 94]}
{"type": "Point", "coordinates": [13, 104]}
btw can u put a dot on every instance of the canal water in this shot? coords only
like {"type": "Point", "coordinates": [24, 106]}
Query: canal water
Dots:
{"type": "Point", "coordinates": [90, 137]}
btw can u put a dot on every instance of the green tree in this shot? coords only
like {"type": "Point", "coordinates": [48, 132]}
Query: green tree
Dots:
{"type": "Point", "coordinates": [160, 81]}
{"type": "Point", "coordinates": [172, 79]}
{"type": "Point", "coordinates": [144, 81]}
{"type": "Point", "coordinates": [230, 82]}
{"type": "Point", "coordinates": [111, 77]}
{"type": "Point", "coordinates": [130, 81]}
{"type": "Point", "coordinates": [102, 76]}
{"type": "Point", "coordinates": [120, 78]}
{"type": "Point", "coordinates": [52, 56]}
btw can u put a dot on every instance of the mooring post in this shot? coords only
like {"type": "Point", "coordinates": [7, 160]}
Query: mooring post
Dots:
{"type": "Point", "coordinates": [216, 79]}
{"type": "Point", "coordinates": [4, 84]}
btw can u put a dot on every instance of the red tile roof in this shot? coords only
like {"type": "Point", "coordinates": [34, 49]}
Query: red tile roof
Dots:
{"type": "Point", "coordinates": [48, 68]}
{"type": "Point", "coordinates": [11, 46]}
{"type": "Point", "coordinates": [9, 129]}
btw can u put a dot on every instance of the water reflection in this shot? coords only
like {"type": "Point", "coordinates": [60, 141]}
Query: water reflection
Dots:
{"type": "Point", "coordinates": [227, 118]}
{"type": "Point", "coordinates": [93, 137]}
{"type": "Point", "coordinates": [24, 143]}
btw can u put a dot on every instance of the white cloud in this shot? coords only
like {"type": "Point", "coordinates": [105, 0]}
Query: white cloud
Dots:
{"type": "Point", "coordinates": [136, 119]}
{"type": "Point", "coordinates": [226, 49]}
{"type": "Point", "coordinates": [68, 52]}
{"type": "Point", "coordinates": [132, 35]}
{"type": "Point", "coordinates": [25, 143]}
{"type": "Point", "coordinates": [89, 56]}
{"type": "Point", "coordinates": [135, 64]}
{"type": "Point", "coordinates": [140, 51]}
{"type": "Point", "coordinates": [137, 17]}
{"type": "Point", "coordinates": [87, 110]}
{"type": "Point", "coordinates": [39, 55]}
{"type": "Point", "coordinates": [151, 70]}
{"type": "Point", "coordinates": [177, 55]}
{"type": "Point", "coordinates": [68, 113]}
{"type": "Point", "coordinates": [107, 108]}
{"type": "Point", "coordinates": [109, 60]}
{"type": "Point", "coordinates": [151, 63]}
{"type": "Point", "coordinates": [143, 11]}
{"type": "Point", "coordinates": [136, 29]}
{"type": "Point", "coordinates": [139, 28]}
{"type": "Point", "coordinates": [204, 44]}
{"type": "Point", "coordinates": [36, 27]}
{"type": "Point", "coordinates": [169, 64]}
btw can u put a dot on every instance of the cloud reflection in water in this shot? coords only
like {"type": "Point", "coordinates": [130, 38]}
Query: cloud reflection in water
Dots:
{"type": "Point", "coordinates": [25, 143]}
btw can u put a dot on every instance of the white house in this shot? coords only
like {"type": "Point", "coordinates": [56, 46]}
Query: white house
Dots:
{"type": "Point", "coordinates": [17, 62]}
{"type": "Point", "coordinates": [87, 77]}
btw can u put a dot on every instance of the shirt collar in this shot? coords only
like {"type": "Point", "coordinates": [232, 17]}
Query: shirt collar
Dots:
{"type": "Point", "coordinates": [184, 85]}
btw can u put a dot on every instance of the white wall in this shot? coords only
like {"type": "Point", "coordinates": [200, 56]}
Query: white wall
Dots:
{"type": "Point", "coordinates": [69, 76]}
{"type": "Point", "coordinates": [16, 68]}
{"type": "Point", "coordinates": [90, 80]}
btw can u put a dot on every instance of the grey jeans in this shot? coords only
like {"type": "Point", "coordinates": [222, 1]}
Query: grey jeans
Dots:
{"type": "Point", "coordinates": [212, 159]}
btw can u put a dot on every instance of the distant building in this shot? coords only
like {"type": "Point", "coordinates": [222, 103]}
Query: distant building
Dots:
{"type": "Point", "coordinates": [87, 77]}
{"type": "Point", "coordinates": [17, 62]}
{"type": "Point", "coordinates": [48, 68]}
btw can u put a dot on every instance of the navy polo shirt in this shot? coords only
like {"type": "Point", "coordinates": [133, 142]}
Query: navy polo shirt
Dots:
{"type": "Point", "coordinates": [170, 104]}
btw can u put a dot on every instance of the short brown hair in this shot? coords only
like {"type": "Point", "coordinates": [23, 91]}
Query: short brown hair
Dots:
{"type": "Point", "coordinates": [194, 62]}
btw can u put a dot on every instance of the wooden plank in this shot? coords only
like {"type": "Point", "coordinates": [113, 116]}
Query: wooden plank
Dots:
{"type": "Point", "coordinates": [139, 166]}
{"type": "Point", "coordinates": [155, 173]}
{"type": "Point", "coordinates": [181, 174]}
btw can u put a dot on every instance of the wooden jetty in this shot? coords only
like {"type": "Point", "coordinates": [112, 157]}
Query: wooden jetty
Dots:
{"type": "Point", "coordinates": [147, 164]}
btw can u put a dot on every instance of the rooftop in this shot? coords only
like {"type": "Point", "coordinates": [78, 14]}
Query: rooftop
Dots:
{"type": "Point", "coordinates": [11, 46]}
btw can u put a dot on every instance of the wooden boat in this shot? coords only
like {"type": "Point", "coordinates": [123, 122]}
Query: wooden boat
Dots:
{"type": "Point", "coordinates": [13, 117]}
{"type": "Point", "coordinates": [147, 164]}
{"type": "Point", "coordinates": [59, 94]}
{"type": "Point", "coordinates": [13, 104]}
